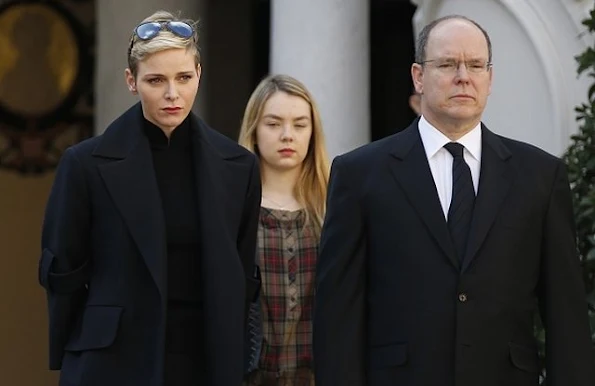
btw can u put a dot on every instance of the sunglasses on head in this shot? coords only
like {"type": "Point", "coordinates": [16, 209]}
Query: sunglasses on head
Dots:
{"type": "Point", "coordinates": [147, 31]}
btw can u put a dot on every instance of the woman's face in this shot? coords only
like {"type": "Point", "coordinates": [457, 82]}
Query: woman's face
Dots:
{"type": "Point", "coordinates": [283, 132]}
{"type": "Point", "coordinates": [166, 83]}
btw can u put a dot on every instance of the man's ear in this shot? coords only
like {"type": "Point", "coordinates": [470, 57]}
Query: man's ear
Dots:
{"type": "Point", "coordinates": [417, 75]}
{"type": "Point", "coordinates": [491, 78]}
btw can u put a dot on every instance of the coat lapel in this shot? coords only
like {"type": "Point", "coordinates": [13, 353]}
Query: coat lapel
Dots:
{"type": "Point", "coordinates": [131, 182]}
{"type": "Point", "coordinates": [209, 172]}
{"type": "Point", "coordinates": [494, 183]}
{"type": "Point", "coordinates": [223, 276]}
{"type": "Point", "coordinates": [409, 166]}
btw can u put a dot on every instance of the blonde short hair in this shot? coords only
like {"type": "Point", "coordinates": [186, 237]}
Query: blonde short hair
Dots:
{"type": "Point", "coordinates": [165, 40]}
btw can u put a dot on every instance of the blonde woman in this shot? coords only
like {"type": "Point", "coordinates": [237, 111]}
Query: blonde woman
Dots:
{"type": "Point", "coordinates": [282, 127]}
{"type": "Point", "coordinates": [146, 265]}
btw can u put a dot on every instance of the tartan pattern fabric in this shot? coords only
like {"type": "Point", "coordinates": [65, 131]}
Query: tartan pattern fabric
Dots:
{"type": "Point", "coordinates": [300, 377]}
{"type": "Point", "coordinates": [287, 253]}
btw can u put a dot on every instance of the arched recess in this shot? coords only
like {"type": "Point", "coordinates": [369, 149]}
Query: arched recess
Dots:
{"type": "Point", "coordinates": [535, 85]}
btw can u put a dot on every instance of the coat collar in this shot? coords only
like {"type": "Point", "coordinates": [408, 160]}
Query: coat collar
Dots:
{"type": "Point", "coordinates": [130, 179]}
{"type": "Point", "coordinates": [125, 133]}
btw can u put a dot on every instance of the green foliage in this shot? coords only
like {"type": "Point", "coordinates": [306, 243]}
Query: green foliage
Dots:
{"type": "Point", "coordinates": [580, 160]}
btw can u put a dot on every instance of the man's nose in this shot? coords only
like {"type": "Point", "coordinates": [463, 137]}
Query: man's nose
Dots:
{"type": "Point", "coordinates": [462, 71]}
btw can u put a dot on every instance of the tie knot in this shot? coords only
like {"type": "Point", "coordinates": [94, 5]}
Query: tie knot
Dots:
{"type": "Point", "coordinates": [455, 148]}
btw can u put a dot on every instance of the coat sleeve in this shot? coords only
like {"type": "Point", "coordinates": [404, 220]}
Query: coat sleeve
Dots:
{"type": "Point", "coordinates": [339, 314]}
{"type": "Point", "coordinates": [563, 308]}
{"type": "Point", "coordinates": [248, 233]}
{"type": "Point", "coordinates": [64, 265]}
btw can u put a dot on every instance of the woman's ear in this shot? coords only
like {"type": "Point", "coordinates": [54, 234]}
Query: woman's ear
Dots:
{"type": "Point", "coordinates": [198, 72]}
{"type": "Point", "coordinates": [130, 81]}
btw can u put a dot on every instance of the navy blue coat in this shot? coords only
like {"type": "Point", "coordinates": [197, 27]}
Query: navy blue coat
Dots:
{"type": "Point", "coordinates": [104, 254]}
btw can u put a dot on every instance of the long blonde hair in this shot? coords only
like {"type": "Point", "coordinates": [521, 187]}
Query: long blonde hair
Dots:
{"type": "Point", "coordinates": [311, 186]}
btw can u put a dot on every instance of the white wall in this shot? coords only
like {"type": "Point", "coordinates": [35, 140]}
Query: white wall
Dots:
{"type": "Point", "coordinates": [534, 42]}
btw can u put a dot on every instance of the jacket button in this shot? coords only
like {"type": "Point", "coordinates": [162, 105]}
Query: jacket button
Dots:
{"type": "Point", "coordinates": [462, 297]}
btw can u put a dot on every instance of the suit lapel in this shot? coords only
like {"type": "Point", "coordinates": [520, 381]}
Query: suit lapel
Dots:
{"type": "Point", "coordinates": [409, 166]}
{"type": "Point", "coordinates": [131, 182]}
{"type": "Point", "coordinates": [494, 183]}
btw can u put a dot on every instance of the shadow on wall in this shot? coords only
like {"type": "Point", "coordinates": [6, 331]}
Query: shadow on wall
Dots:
{"type": "Point", "coordinates": [23, 326]}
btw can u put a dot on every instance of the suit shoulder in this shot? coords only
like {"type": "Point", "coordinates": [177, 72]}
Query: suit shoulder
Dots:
{"type": "Point", "coordinates": [528, 152]}
{"type": "Point", "coordinates": [370, 152]}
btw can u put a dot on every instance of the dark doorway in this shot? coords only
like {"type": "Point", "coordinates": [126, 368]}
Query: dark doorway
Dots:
{"type": "Point", "coordinates": [261, 41]}
{"type": "Point", "coordinates": [392, 50]}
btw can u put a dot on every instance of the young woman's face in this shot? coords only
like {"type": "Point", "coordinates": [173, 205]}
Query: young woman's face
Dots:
{"type": "Point", "coordinates": [283, 132]}
{"type": "Point", "coordinates": [166, 83]}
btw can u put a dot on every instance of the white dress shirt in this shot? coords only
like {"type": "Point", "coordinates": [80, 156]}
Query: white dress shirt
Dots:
{"type": "Point", "coordinates": [440, 159]}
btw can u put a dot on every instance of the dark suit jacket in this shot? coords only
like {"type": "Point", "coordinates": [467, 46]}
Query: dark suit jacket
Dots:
{"type": "Point", "coordinates": [395, 308]}
{"type": "Point", "coordinates": [104, 255]}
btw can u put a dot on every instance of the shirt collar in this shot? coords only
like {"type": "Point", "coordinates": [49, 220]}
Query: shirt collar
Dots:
{"type": "Point", "coordinates": [433, 140]}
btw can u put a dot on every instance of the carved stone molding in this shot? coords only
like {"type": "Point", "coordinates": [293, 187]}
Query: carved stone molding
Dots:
{"type": "Point", "coordinates": [45, 81]}
{"type": "Point", "coordinates": [556, 34]}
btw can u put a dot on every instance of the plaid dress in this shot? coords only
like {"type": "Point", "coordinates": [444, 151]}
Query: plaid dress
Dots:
{"type": "Point", "coordinates": [288, 253]}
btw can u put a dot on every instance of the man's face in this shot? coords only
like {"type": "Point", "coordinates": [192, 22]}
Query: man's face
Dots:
{"type": "Point", "coordinates": [454, 80]}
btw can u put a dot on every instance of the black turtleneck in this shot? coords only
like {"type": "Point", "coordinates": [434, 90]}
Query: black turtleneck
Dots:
{"type": "Point", "coordinates": [175, 173]}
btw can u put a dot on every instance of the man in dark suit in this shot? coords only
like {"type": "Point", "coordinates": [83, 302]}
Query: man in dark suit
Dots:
{"type": "Point", "coordinates": [442, 242]}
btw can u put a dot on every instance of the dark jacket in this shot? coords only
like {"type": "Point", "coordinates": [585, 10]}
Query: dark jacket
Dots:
{"type": "Point", "coordinates": [104, 256]}
{"type": "Point", "coordinates": [394, 306]}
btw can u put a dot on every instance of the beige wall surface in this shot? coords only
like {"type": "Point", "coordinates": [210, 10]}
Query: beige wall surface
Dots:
{"type": "Point", "coordinates": [23, 320]}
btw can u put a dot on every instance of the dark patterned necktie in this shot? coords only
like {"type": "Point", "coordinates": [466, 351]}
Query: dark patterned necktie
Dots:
{"type": "Point", "coordinates": [460, 211]}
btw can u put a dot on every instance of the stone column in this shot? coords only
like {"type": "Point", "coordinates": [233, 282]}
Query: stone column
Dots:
{"type": "Point", "coordinates": [115, 21]}
{"type": "Point", "coordinates": [325, 44]}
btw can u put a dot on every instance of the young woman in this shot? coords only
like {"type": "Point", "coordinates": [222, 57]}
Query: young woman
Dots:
{"type": "Point", "coordinates": [146, 264]}
{"type": "Point", "coordinates": [282, 127]}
